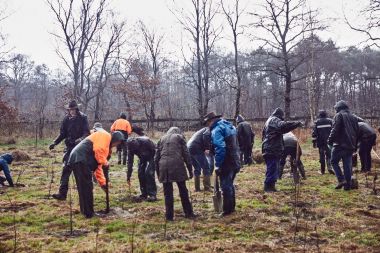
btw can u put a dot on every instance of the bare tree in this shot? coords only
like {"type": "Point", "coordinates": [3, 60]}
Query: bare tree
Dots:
{"type": "Point", "coordinates": [371, 28]}
{"type": "Point", "coordinates": [153, 45]}
{"type": "Point", "coordinates": [287, 22]}
{"type": "Point", "coordinates": [232, 16]}
{"type": "Point", "coordinates": [79, 22]}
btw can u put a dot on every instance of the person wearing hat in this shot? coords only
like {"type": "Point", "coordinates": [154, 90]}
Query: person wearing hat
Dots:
{"type": "Point", "coordinates": [227, 161]}
{"type": "Point", "coordinates": [320, 134]}
{"type": "Point", "coordinates": [122, 125]}
{"type": "Point", "coordinates": [74, 128]}
{"type": "Point", "coordinates": [273, 146]}
{"type": "Point", "coordinates": [246, 138]}
{"type": "Point", "coordinates": [343, 139]}
{"type": "Point", "coordinates": [91, 156]}
{"type": "Point", "coordinates": [4, 161]}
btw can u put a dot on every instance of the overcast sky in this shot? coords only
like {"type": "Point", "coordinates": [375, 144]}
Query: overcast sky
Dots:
{"type": "Point", "coordinates": [28, 26]}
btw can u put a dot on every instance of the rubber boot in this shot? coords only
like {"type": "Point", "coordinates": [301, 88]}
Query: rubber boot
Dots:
{"type": "Point", "coordinates": [197, 183]}
{"type": "Point", "coordinates": [207, 183]}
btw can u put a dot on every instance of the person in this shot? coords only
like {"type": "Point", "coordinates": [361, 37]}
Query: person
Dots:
{"type": "Point", "coordinates": [96, 127]}
{"type": "Point", "coordinates": [122, 125]}
{"type": "Point", "coordinates": [367, 139]}
{"type": "Point", "coordinates": [293, 149]}
{"type": "Point", "coordinates": [171, 158]}
{"type": "Point", "coordinates": [343, 140]}
{"type": "Point", "coordinates": [197, 145]}
{"type": "Point", "coordinates": [6, 160]}
{"type": "Point", "coordinates": [246, 138]}
{"type": "Point", "coordinates": [320, 134]}
{"type": "Point", "coordinates": [227, 157]}
{"type": "Point", "coordinates": [74, 129]}
{"type": "Point", "coordinates": [88, 157]}
{"type": "Point", "coordinates": [273, 145]}
{"type": "Point", "coordinates": [144, 149]}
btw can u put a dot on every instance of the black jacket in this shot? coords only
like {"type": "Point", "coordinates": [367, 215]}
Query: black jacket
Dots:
{"type": "Point", "coordinates": [275, 127]}
{"type": "Point", "coordinates": [143, 148]}
{"type": "Point", "coordinates": [73, 130]}
{"type": "Point", "coordinates": [200, 141]}
{"type": "Point", "coordinates": [366, 132]}
{"type": "Point", "coordinates": [321, 131]}
{"type": "Point", "coordinates": [345, 130]}
{"type": "Point", "coordinates": [245, 134]}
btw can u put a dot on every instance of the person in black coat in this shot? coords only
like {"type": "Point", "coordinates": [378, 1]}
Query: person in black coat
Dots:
{"type": "Point", "coordinates": [273, 145]}
{"type": "Point", "coordinates": [246, 138]}
{"type": "Point", "coordinates": [74, 129]}
{"type": "Point", "coordinates": [367, 139]}
{"type": "Point", "coordinates": [321, 132]}
{"type": "Point", "coordinates": [343, 139]}
{"type": "Point", "coordinates": [145, 150]}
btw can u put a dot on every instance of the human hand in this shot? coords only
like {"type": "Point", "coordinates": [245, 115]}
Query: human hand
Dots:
{"type": "Point", "coordinates": [52, 146]}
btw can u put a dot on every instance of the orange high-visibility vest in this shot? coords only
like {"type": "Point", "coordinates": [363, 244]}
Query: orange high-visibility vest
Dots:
{"type": "Point", "coordinates": [101, 141]}
{"type": "Point", "coordinates": [121, 125]}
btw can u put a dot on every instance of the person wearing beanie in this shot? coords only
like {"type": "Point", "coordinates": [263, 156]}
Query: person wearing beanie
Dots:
{"type": "Point", "coordinates": [89, 157]}
{"type": "Point", "coordinates": [122, 125]}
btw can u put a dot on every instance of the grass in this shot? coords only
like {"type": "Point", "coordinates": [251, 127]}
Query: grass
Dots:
{"type": "Point", "coordinates": [263, 222]}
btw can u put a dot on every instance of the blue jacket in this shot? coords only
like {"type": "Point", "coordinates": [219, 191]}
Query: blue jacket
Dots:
{"type": "Point", "coordinates": [224, 141]}
{"type": "Point", "coordinates": [4, 161]}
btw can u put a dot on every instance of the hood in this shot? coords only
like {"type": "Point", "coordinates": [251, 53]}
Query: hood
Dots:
{"type": "Point", "coordinates": [322, 114]}
{"type": "Point", "coordinates": [279, 113]}
{"type": "Point", "coordinates": [117, 136]}
{"type": "Point", "coordinates": [239, 119]}
{"type": "Point", "coordinates": [8, 158]}
{"type": "Point", "coordinates": [123, 115]}
{"type": "Point", "coordinates": [341, 105]}
{"type": "Point", "coordinates": [174, 130]}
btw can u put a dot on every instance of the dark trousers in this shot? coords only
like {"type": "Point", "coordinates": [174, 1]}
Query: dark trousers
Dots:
{"type": "Point", "coordinates": [365, 153]}
{"type": "Point", "coordinates": [272, 169]}
{"type": "Point", "coordinates": [200, 163]}
{"type": "Point", "coordinates": [246, 154]}
{"type": "Point", "coordinates": [324, 156]}
{"type": "Point", "coordinates": [296, 167]}
{"type": "Point", "coordinates": [338, 154]}
{"type": "Point", "coordinates": [122, 152]}
{"type": "Point", "coordinates": [169, 199]}
{"type": "Point", "coordinates": [146, 177]}
{"type": "Point", "coordinates": [228, 190]}
{"type": "Point", "coordinates": [66, 173]}
{"type": "Point", "coordinates": [83, 178]}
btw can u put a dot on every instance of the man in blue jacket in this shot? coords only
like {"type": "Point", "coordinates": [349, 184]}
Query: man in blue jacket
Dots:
{"type": "Point", "coordinates": [227, 162]}
{"type": "Point", "coordinates": [4, 161]}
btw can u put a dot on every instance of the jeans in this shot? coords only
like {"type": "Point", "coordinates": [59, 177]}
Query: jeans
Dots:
{"type": "Point", "coordinates": [272, 171]}
{"type": "Point", "coordinates": [324, 155]}
{"type": "Point", "coordinates": [200, 163]}
{"type": "Point", "coordinates": [169, 199]}
{"type": "Point", "coordinates": [228, 190]}
{"type": "Point", "coordinates": [338, 154]}
{"type": "Point", "coordinates": [146, 177]}
{"type": "Point", "coordinates": [365, 153]}
{"type": "Point", "coordinates": [210, 160]}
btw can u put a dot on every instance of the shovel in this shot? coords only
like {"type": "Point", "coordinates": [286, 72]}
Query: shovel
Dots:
{"type": "Point", "coordinates": [217, 197]}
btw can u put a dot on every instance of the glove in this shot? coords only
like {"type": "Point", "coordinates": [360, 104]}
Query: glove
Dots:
{"type": "Point", "coordinates": [314, 144]}
{"type": "Point", "coordinates": [217, 171]}
{"type": "Point", "coordinates": [51, 147]}
{"type": "Point", "coordinates": [191, 174]}
{"type": "Point", "coordinates": [300, 124]}
{"type": "Point", "coordinates": [104, 188]}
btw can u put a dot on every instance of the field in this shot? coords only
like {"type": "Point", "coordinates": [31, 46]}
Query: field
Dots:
{"type": "Point", "coordinates": [321, 219]}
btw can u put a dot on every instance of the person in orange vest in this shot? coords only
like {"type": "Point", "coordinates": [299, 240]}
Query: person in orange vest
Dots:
{"type": "Point", "coordinates": [122, 125]}
{"type": "Point", "coordinates": [88, 157]}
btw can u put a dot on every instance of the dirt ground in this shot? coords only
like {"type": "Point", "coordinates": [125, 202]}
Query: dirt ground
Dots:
{"type": "Point", "coordinates": [322, 219]}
